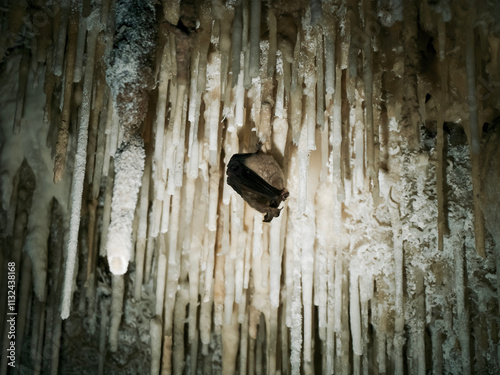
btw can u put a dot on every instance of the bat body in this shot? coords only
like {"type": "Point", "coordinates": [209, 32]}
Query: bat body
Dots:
{"type": "Point", "coordinates": [258, 179]}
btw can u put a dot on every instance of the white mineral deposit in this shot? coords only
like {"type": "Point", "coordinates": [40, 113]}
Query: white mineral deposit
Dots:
{"type": "Point", "coordinates": [133, 255]}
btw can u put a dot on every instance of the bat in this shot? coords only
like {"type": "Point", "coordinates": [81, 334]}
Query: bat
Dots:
{"type": "Point", "coordinates": [259, 180]}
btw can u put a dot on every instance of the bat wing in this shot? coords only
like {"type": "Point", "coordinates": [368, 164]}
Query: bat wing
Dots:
{"type": "Point", "coordinates": [250, 185]}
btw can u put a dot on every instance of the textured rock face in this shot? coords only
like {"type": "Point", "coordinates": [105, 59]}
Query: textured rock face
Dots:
{"type": "Point", "coordinates": [383, 118]}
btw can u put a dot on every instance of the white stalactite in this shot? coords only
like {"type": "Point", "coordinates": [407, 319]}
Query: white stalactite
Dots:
{"type": "Point", "coordinates": [79, 177]}
{"type": "Point", "coordinates": [275, 251]}
{"type": "Point", "coordinates": [355, 313]}
{"type": "Point", "coordinates": [129, 165]}
{"type": "Point", "coordinates": [160, 125]}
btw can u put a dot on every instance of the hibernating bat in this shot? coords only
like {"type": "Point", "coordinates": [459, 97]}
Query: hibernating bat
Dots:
{"type": "Point", "coordinates": [259, 180]}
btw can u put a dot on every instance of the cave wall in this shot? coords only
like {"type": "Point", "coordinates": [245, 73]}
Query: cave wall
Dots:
{"type": "Point", "coordinates": [131, 254]}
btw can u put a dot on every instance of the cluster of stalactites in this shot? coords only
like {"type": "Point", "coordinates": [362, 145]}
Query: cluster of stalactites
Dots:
{"type": "Point", "coordinates": [338, 94]}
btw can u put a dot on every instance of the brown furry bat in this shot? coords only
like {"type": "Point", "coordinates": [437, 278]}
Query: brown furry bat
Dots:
{"type": "Point", "coordinates": [259, 180]}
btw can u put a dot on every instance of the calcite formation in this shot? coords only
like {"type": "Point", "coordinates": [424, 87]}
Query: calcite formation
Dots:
{"type": "Point", "coordinates": [132, 254]}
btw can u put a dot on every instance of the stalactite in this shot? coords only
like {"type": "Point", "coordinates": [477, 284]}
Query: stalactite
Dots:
{"type": "Point", "coordinates": [37, 336]}
{"type": "Point", "coordinates": [172, 281]}
{"type": "Point", "coordinates": [92, 254]}
{"type": "Point", "coordinates": [236, 42]}
{"type": "Point", "coordinates": [62, 134]}
{"type": "Point", "coordinates": [310, 90]}
{"type": "Point", "coordinates": [163, 85]}
{"type": "Point", "coordinates": [212, 105]}
{"type": "Point", "coordinates": [218, 286]}
{"type": "Point", "coordinates": [368, 81]}
{"type": "Point", "coordinates": [244, 345]}
{"type": "Point", "coordinates": [355, 315]}
{"type": "Point", "coordinates": [195, 244]}
{"type": "Point", "coordinates": [130, 97]}
{"type": "Point", "coordinates": [330, 329]}
{"type": "Point", "coordinates": [230, 337]}
{"type": "Point", "coordinates": [398, 273]}
{"type": "Point", "coordinates": [296, 94]}
{"type": "Point", "coordinates": [410, 112]}
{"type": "Point", "coordinates": [21, 91]}
{"type": "Point", "coordinates": [156, 336]}
{"type": "Point", "coordinates": [307, 267]}
{"type": "Point", "coordinates": [79, 175]}
{"type": "Point", "coordinates": [178, 329]}
{"type": "Point", "coordinates": [381, 339]}
{"type": "Point", "coordinates": [296, 313]}
{"type": "Point", "coordinates": [240, 241]}
{"type": "Point", "coordinates": [474, 132]}
{"type": "Point", "coordinates": [60, 38]}
{"type": "Point", "coordinates": [142, 229]}
{"type": "Point", "coordinates": [93, 172]}
{"type": "Point", "coordinates": [225, 45]}
{"type": "Point", "coordinates": [229, 273]}
{"type": "Point", "coordinates": [80, 46]}
{"type": "Point", "coordinates": [99, 157]}
{"type": "Point", "coordinates": [254, 36]}
{"type": "Point", "coordinates": [440, 135]}
{"type": "Point", "coordinates": [116, 311]}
